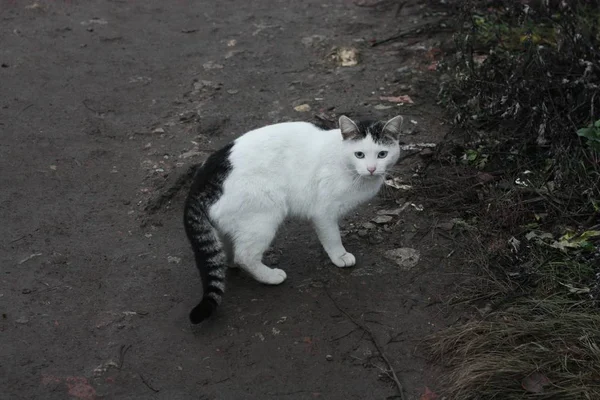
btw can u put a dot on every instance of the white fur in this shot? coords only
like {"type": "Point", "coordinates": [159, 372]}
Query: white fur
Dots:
{"type": "Point", "coordinates": [295, 169]}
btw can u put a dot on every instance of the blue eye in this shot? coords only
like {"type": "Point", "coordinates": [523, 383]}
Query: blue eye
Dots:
{"type": "Point", "coordinates": [382, 154]}
{"type": "Point", "coordinates": [359, 154]}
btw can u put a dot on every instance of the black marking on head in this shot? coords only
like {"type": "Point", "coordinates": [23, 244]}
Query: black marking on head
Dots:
{"type": "Point", "coordinates": [382, 132]}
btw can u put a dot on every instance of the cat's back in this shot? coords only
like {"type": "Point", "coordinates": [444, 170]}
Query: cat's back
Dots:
{"type": "Point", "coordinates": [279, 145]}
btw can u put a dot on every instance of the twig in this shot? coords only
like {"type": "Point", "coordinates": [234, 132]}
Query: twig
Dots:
{"type": "Point", "coordinates": [343, 336]}
{"type": "Point", "coordinates": [400, 35]}
{"type": "Point", "coordinates": [391, 373]}
{"type": "Point", "coordinates": [148, 385]}
{"type": "Point", "coordinates": [124, 349]}
{"type": "Point", "coordinates": [23, 237]}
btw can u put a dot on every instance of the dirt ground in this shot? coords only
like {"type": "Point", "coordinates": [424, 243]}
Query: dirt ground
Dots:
{"type": "Point", "coordinates": [103, 106]}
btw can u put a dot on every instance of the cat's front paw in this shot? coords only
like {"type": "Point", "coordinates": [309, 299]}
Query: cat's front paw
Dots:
{"type": "Point", "coordinates": [345, 260]}
{"type": "Point", "coordinates": [274, 276]}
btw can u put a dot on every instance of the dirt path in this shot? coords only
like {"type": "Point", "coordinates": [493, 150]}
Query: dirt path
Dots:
{"type": "Point", "coordinates": [103, 104]}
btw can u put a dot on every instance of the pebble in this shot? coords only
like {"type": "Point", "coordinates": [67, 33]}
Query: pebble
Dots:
{"type": "Point", "coordinates": [402, 72]}
{"type": "Point", "coordinates": [368, 225]}
{"type": "Point", "coordinates": [376, 238]}
{"type": "Point", "coordinates": [382, 219]}
{"type": "Point", "coordinates": [426, 152]}
{"type": "Point", "coordinates": [329, 357]}
{"type": "Point", "coordinates": [395, 211]}
{"type": "Point", "coordinates": [22, 320]}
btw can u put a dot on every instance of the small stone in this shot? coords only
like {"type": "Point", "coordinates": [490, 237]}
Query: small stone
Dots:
{"type": "Point", "coordinates": [232, 91]}
{"type": "Point", "coordinates": [382, 219]}
{"type": "Point", "coordinates": [173, 260]}
{"type": "Point", "coordinates": [445, 226]}
{"type": "Point", "coordinates": [368, 225]}
{"type": "Point", "coordinates": [203, 84]}
{"type": "Point", "coordinates": [158, 130]}
{"type": "Point", "coordinates": [363, 233]}
{"type": "Point", "coordinates": [329, 357]}
{"type": "Point", "coordinates": [312, 40]}
{"type": "Point", "coordinates": [190, 153]}
{"type": "Point", "coordinates": [22, 320]}
{"type": "Point", "coordinates": [395, 211]}
{"type": "Point", "coordinates": [212, 65]}
{"type": "Point", "coordinates": [402, 72]}
{"type": "Point", "coordinates": [426, 152]}
{"type": "Point", "coordinates": [26, 291]}
{"type": "Point", "coordinates": [375, 238]}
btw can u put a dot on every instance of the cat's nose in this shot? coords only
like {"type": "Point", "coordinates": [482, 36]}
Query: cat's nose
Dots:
{"type": "Point", "coordinates": [371, 169]}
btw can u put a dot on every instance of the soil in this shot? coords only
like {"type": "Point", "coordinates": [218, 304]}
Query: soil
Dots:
{"type": "Point", "coordinates": [104, 105]}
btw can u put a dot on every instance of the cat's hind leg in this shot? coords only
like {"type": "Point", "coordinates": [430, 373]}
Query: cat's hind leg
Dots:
{"type": "Point", "coordinates": [252, 238]}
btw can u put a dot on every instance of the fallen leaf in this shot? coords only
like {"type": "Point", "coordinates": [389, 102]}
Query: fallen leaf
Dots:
{"type": "Point", "coordinates": [405, 99]}
{"type": "Point", "coordinates": [302, 108]}
{"type": "Point", "coordinates": [347, 57]}
{"type": "Point", "coordinates": [479, 58]}
{"type": "Point", "coordinates": [433, 66]}
{"type": "Point", "coordinates": [573, 241]}
{"type": "Point", "coordinates": [34, 6]}
{"type": "Point", "coordinates": [428, 395]}
{"type": "Point", "coordinates": [535, 383]}
{"type": "Point", "coordinates": [396, 183]}
{"type": "Point", "coordinates": [405, 257]}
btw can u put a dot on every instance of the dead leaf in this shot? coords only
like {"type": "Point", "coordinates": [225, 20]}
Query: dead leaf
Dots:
{"type": "Point", "coordinates": [302, 108]}
{"type": "Point", "coordinates": [405, 99]}
{"type": "Point", "coordinates": [535, 382]}
{"type": "Point", "coordinates": [347, 57]}
{"type": "Point", "coordinates": [479, 58]}
{"type": "Point", "coordinates": [428, 395]}
{"type": "Point", "coordinates": [34, 6]}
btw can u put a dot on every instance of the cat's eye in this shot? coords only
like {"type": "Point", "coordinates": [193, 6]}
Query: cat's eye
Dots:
{"type": "Point", "coordinates": [359, 154]}
{"type": "Point", "coordinates": [382, 154]}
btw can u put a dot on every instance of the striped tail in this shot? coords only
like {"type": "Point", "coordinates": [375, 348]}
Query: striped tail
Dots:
{"type": "Point", "coordinates": [210, 260]}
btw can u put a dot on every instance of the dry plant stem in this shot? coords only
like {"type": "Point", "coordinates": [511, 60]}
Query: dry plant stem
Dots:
{"type": "Point", "coordinates": [391, 372]}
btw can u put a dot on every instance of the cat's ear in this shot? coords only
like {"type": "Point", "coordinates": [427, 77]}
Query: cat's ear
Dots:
{"type": "Point", "coordinates": [392, 127]}
{"type": "Point", "coordinates": [348, 128]}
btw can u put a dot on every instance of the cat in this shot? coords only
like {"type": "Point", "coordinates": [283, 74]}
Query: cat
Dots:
{"type": "Point", "coordinates": [245, 190]}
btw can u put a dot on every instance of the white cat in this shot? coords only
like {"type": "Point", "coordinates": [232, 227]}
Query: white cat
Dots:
{"type": "Point", "coordinates": [243, 192]}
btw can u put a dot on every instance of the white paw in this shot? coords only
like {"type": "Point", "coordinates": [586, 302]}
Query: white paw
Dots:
{"type": "Point", "coordinates": [274, 276]}
{"type": "Point", "coordinates": [345, 260]}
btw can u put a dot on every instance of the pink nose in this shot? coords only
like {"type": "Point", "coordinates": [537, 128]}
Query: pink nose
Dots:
{"type": "Point", "coordinates": [371, 169]}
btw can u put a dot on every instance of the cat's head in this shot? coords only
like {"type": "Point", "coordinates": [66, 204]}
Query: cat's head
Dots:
{"type": "Point", "coordinates": [371, 147]}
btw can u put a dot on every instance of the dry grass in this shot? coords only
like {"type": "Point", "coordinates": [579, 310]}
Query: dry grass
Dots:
{"type": "Point", "coordinates": [517, 90]}
{"type": "Point", "coordinates": [492, 358]}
